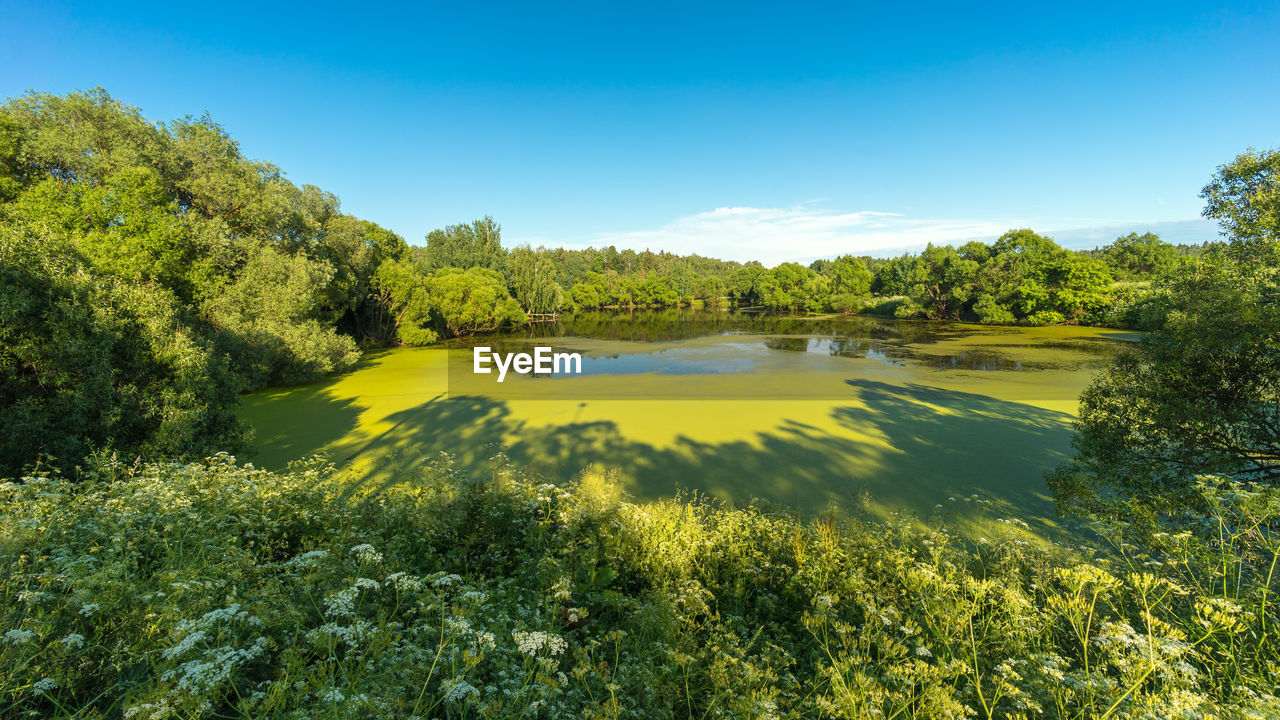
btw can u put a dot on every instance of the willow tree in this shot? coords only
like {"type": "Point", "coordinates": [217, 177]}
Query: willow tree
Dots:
{"type": "Point", "coordinates": [533, 280]}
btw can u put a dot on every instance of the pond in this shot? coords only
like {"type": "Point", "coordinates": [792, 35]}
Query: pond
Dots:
{"type": "Point", "coordinates": [849, 414]}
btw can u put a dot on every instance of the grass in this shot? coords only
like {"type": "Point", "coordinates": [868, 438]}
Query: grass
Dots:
{"type": "Point", "coordinates": [217, 589]}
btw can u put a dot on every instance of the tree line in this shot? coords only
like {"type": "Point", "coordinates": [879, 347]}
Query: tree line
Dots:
{"type": "Point", "coordinates": [151, 273]}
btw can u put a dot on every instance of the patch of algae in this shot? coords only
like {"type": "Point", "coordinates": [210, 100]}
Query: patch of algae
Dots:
{"type": "Point", "coordinates": [731, 416]}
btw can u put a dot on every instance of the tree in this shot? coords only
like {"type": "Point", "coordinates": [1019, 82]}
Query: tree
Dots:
{"type": "Point", "coordinates": [533, 280]}
{"type": "Point", "coordinates": [1244, 197]}
{"type": "Point", "coordinates": [1202, 392]}
{"type": "Point", "coordinates": [941, 282]}
{"type": "Point", "coordinates": [270, 320]}
{"type": "Point", "coordinates": [848, 275]}
{"type": "Point", "coordinates": [472, 301]}
{"type": "Point", "coordinates": [893, 277]}
{"type": "Point", "coordinates": [792, 286]}
{"type": "Point", "coordinates": [92, 363]}
{"type": "Point", "coordinates": [478, 244]}
{"type": "Point", "coordinates": [745, 284]}
{"type": "Point", "coordinates": [403, 291]}
{"type": "Point", "coordinates": [1145, 256]}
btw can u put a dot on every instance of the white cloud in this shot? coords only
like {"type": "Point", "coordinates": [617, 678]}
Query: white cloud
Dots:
{"type": "Point", "coordinates": [801, 233]}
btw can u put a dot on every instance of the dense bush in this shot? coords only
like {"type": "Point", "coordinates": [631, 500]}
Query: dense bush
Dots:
{"type": "Point", "coordinates": [90, 363]}
{"type": "Point", "coordinates": [220, 590]}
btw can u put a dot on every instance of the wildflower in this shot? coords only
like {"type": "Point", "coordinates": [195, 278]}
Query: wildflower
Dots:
{"type": "Point", "coordinates": [486, 641]}
{"type": "Point", "coordinates": [73, 641]}
{"type": "Point", "coordinates": [560, 591]}
{"type": "Point", "coordinates": [404, 581]}
{"type": "Point", "coordinates": [44, 685]}
{"type": "Point", "coordinates": [446, 580]}
{"type": "Point", "coordinates": [185, 644]}
{"type": "Point", "coordinates": [15, 637]}
{"type": "Point", "coordinates": [923, 652]}
{"type": "Point", "coordinates": [89, 609]}
{"type": "Point", "coordinates": [307, 559]}
{"type": "Point", "coordinates": [366, 553]}
{"type": "Point", "coordinates": [341, 602]}
{"type": "Point", "coordinates": [458, 689]}
{"type": "Point", "coordinates": [367, 584]}
{"type": "Point", "coordinates": [529, 643]}
{"type": "Point", "coordinates": [333, 696]}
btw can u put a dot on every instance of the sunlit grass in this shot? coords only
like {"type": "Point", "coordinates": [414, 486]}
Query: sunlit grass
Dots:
{"type": "Point", "coordinates": [220, 590]}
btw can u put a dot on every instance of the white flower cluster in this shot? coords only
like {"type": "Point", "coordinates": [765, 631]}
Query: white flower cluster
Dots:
{"type": "Point", "coordinates": [366, 553]}
{"type": "Point", "coordinates": [529, 643]}
{"type": "Point", "coordinates": [458, 689]}
{"type": "Point", "coordinates": [307, 559]}
{"type": "Point", "coordinates": [14, 637]}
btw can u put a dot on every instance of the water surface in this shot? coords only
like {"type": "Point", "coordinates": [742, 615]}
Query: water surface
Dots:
{"type": "Point", "coordinates": [851, 414]}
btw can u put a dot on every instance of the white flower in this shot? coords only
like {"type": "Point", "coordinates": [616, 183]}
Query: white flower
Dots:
{"type": "Point", "coordinates": [73, 641]}
{"type": "Point", "coordinates": [486, 641]}
{"type": "Point", "coordinates": [458, 689]}
{"type": "Point", "coordinates": [334, 696]}
{"type": "Point", "coordinates": [184, 645]}
{"type": "Point", "coordinates": [44, 685]}
{"type": "Point", "coordinates": [14, 637]}
{"type": "Point", "coordinates": [341, 602]}
{"type": "Point", "coordinates": [529, 643]}
{"type": "Point", "coordinates": [366, 553]}
{"type": "Point", "coordinates": [89, 609]}
{"type": "Point", "coordinates": [923, 652]}
{"type": "Point", "coordinates": [446, 581]}
{"type": "Point", "coordinates": [404, 581]}
{"type": "Point", "coordinates": [307, 559]}
{"type": "Point", "coordinates": [367, 583]}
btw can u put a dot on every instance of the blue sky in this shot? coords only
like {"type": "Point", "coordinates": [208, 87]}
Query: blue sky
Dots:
{"type": "Point", "coordinates": [773, 131]}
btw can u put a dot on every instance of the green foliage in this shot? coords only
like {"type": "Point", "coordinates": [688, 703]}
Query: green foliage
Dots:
{"type": "Point", "coordinates": [472, 301]}
{"type": "Point", "coordinates": [992, 312]}
{"type": "Point", "coordinates": [792, 286]}
{"type": "Point", "coordinates": [268, 315]}
{"type": "Point", "coordinates": [848, 276]}
{"type": "Point", "coordinates": [1244, 196]}
{"type": "Point", "coordinates": [406, 298]}
{"type": "Point", "coordinates": [223, 590]}
{"type": "Point", "coordinates": [1022, 277]}
{"type": "Point", "coordinates": [1145, 256]}
{"type": "Point", "coordinates": [846, 302]}
{"type": "Point", "coordinates": [99, 364]}
{"type": "Point", "coordinates": [467, 246]}
{"type": "Point", "coordinates": [940, 281]}
{"type": "Point", "coordinates": [1202, 394]}
{"type": "Point", "coordinates": [533, 280]}
{"type": "Point", "coordinates": [167, 226]}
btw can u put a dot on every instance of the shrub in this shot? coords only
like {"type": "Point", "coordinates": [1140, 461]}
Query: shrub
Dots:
{"type": "Point", "coordinates": [221, 590]}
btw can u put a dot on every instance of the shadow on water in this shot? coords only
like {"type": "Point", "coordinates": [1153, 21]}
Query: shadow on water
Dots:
{"type": "Point", "coordinates": [279, 437]}
{"type": "Point", "coordinates": [906, 447]}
